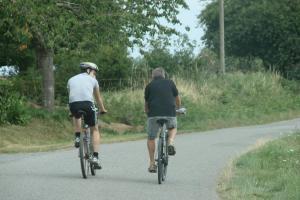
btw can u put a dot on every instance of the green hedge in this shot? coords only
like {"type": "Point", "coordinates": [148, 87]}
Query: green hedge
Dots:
{"type": "Point", "coordinates": [13, 109]}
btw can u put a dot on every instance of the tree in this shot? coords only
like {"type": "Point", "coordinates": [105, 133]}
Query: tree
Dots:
{"type": "Point", "coordinates": [13, 52]}
{"type": "Point", "coordinates": [159, 56]}
{"type": "Point", "coordinates": [269, 30]}
{"type": "Point", "coordinates": [112, 60]}
{"type": "Point", "coordinates": [183, 57]}
{"type": "Point", "coordinates": [177, 59]}
{"type": "Point", "coordinates": [82, 25]}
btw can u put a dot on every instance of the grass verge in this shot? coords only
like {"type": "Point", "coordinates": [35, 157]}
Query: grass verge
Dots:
{"type": "Point", "coordinates": [271, 171]}
{"type": "Point", "coordinates": [45, 135]}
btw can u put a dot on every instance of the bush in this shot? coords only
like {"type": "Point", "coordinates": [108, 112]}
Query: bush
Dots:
{"type": "Point", "coordinates": [29, 84]}
{"type": "Point", "coordinates": [125, 107]}
{"type": "Point", "coordinates": [12, 110]}
{"type": "Point", "coordinates": [59, 114]}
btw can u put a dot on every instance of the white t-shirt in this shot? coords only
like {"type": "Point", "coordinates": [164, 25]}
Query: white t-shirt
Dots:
{"type": "Point", "coordinates": [81, 87]}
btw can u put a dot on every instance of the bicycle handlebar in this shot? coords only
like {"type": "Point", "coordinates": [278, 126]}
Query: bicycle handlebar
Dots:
{"type": "Point", "coordinates": [181, 111]}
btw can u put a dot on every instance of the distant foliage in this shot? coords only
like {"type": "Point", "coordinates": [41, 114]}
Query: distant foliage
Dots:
{"type": "Point", "coordinates": [268, 30]}
{"type": "Point", "coordinates": [181, 61]}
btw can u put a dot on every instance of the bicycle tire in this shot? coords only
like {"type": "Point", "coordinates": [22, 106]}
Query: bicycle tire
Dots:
{"type": "Point", "coordinates": [165, 160]}
{"type": "Point", "coordinates": [160, 164]}
{"type": "Point", "coordinates": [82, 157]}
{"type": "Point", "coordinates": [87, 154]}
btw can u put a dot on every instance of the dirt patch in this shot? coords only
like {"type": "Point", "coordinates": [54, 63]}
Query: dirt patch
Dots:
{"type": "Point", "coordinates": [121, 128]}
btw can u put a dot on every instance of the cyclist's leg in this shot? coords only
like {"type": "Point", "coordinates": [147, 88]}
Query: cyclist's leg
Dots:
{"type": "Point", "coordinates": [152, 129]}
{"type": "Point", "coordinates": [96, 137]}
{"type": "Point", "coordinates": [172, 134]}
{"type": "Point", "coordinates": [77, 124]}
{"type": "Point", "coordinates": [171, 146]}
{"type": "Point", "coordinates": [77, 130]}
{"type": "Point", "coordinates": [151, 150]}
{"type": "Point", "coordinates": [172, 127]}
{"type": "Point", "coordinates": [96, 145]}
{"type": "Point", "coordinates": [91, 120]}
{"type": "Point", "coordinates": [74, 108]}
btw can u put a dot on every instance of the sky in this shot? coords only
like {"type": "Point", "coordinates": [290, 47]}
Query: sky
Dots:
{"type": "Point", "coordinates": [188, 18]}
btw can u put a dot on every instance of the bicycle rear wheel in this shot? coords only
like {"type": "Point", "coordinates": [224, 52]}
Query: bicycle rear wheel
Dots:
{"type": "Point", "coordinates": [165, 160]}
{"type": "Point", "coordinates": [82, 156]}
{"type": "Point", "coordinates": [160, 164]}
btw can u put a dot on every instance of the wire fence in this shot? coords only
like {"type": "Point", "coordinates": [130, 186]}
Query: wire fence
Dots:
{"type": "Point", "coordinates": [117, 84]}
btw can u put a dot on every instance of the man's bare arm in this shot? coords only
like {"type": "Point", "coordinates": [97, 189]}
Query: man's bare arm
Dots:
{"type": "Point", "coordinates": [99, 100]}
{"type": "Point", "coordinates": [178, 101]}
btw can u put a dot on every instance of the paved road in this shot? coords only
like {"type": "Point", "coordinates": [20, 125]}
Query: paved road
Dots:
{"type": "Point", "coordinates": [192, 174]}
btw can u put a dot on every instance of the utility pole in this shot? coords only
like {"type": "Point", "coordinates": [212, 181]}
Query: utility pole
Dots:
{"type": "Point", "coordinates": [222, 49]}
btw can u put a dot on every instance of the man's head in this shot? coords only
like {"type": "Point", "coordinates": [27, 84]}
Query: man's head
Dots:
{"type": "Point", "coordinates": [89, 67]}
{"type": "Point", "coordinates": [158, 72]}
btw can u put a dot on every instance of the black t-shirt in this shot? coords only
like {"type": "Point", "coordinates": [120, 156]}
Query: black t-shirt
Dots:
{"type": "Point", "coordinates": [160, 95]}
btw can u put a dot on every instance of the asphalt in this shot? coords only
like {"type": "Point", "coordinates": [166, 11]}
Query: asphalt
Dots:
{"type": "Point", "coordinates": [192, 174]}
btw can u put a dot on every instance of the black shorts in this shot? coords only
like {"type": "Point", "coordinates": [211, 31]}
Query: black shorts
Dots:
{"type": "Point", "coordinates": [86, 106]}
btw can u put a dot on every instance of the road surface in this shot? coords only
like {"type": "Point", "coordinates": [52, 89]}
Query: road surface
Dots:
{"type": "Point", "coordinates": [192, 174]}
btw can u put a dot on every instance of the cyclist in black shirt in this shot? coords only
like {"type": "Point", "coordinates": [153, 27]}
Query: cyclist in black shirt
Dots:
{"type": "Point", "coordinates": [161, 101]}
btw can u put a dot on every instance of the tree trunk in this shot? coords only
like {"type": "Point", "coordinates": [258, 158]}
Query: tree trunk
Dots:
{"type": "Point", "coordinates": [45, 64]}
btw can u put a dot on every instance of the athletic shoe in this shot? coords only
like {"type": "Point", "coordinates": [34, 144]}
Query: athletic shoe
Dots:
{"type": "Point", "coordinates": [96, 162]}
{"type": "Point", "coordinates": [171, 150]}
{"type": "Point", "coordinates": [77, 142]}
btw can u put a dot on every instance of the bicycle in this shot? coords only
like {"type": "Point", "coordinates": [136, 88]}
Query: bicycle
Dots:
{"type": "Point", "coordinates": [86, 149]}
{"type": "Point", "coordinates": [162, 148]}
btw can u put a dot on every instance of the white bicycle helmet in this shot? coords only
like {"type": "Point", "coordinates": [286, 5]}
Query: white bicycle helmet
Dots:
{"type": "Point", "coordinates": [89, 65]}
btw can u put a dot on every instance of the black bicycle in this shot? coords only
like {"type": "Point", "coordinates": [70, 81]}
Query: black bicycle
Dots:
{"type": "Point", "coordinates": [162, 148]}
{"type": "Point", "coordinates": [86, 150]}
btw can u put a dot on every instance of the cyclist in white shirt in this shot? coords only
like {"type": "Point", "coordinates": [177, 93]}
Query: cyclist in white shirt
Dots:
{"type": "Point", "coordinates": [83, 88]}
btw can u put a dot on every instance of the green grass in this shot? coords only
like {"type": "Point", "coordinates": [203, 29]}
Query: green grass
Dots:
{"type": "Point", "coordinates": [38, 135]}
{"type": "Point", "coordinates": [45, 135]}
{"type": "Point", "coordinates": [237, 99]}
{"type": "Point", "coordinates": [215, 102]}
{"type": "Point", "coordinates": [269, 172]}
{"type": "Point", "coordinates": [212, 102]}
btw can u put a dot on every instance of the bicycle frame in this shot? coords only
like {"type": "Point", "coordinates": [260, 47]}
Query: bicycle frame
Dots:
{"type": "Point", "coordinates": [86, 152]}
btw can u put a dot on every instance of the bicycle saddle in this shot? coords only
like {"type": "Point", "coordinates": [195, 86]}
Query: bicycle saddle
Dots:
{"type": "Point", "coordinates": [162, 121]}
